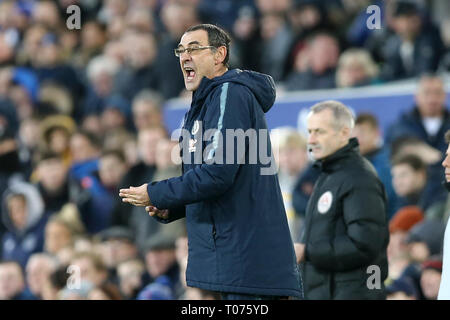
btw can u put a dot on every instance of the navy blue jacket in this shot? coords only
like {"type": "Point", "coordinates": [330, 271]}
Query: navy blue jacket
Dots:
{"type": "Point", "coordinates": [239, 239]}
{"type": "Point", "coordinates": [410, 124]}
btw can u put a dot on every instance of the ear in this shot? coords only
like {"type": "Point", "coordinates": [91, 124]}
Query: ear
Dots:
{"type": "Point", "coordinates": [220, 54]}
{"type": "Point", "coordinates": [346, 132]}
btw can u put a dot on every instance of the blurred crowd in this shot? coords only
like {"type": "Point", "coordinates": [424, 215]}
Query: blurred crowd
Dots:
{"type": "Point", "coordinates": [81, 115]}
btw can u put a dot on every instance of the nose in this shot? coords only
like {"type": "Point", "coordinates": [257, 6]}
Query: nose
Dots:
{"type": "Point", "coordinates": [311, 138]}
{"type": "Point", "coordinates": [446, 162]}
{"type": "Point", "coordinates": [185, 57]}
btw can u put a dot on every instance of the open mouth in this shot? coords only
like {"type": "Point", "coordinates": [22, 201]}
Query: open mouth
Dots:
{"type": "Point", "coordinates": [190, 73]}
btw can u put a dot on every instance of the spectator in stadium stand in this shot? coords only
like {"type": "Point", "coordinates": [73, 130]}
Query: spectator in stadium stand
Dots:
{"type": "Point", "coordinates": [246, 39]}
{"type": "Point", "coordinates": [430, 278]}
{"type": "Point", "coordinates": [428, 119]}
{"type": "Point", "coordinates": [48, 65]}
{"type": "Point", "coordinates": [415, 46]}
{"type": "Point", "coordinates": [62, 229]}
{"type": "Point", "coordinates": [213, 196]}
{"type": "Point", "coordinates": [303, 189]}
{"type": "Point", "coordinates": [91, 266]}
{"type": "Point", "coordinates": [401, 289]}
{"type": "Point", "coordinates": [12, 282]}
{"type": "Point", "coordinates": [147, 109]}
{"type": "Point", "coordinates": [371, 147]}
{"type": "Point", "coordinates": [162, 266]}
{"type": "Point", "coordinates": [444, 290]}
{"type": "Point", "coordinates": [432, 158]}
{"type": "Point", "coordinates": [140, 69]}
{"type": "Point", "coordinates": [131, 276]}
{"type": "Point", "coordinates": [101, 72]}
{"type": "Point", "coordinates": [100, 187]}
{"type": "Point", "coordinates": [346, 225]}
{"type": "Point", "coordinates": [409, 179]}
{"type": "Point", "coordinates": [397, 250]}
{"type": "Point", "coordinates": [356, 68]}
{"type": "Point", "coordinates": [55, 134]}
{"type": "Point", "coordinates": [176, 17]}
{"type": "Point", "coordinates": [424, 242]}
{"type": "Point", "coordinates": [24, 217]}
{"type": "Point", "coordinates": [116, 114]}
{"type": "Point", "coordinates": [116, 246]}
{"type": "Point", "coordinates": [276, 38]}
{"type": "Point", "coordinates": [10, 168]}
{"type": "Point", "coordinates": [38, 270]}
{"type": "Point", "coordinates": [292, 160]}
{"type": "Point", "coordinates": [56, 282]}
{"type": "Point", "coordinates": [85, 149]}
{"type": "Point", "coordinates": [316, 70]}
{"type": "Point", "coordinates": [51, 176]}
{"type": "Point", "coordinates": [306, 17]}
{"type": "Point", "coordinates": [92, 41]}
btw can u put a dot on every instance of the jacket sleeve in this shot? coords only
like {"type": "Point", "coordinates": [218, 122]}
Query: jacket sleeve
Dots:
{"type": "Point", "coordinates": [174, 214]}
{"type": "Point", "coordinates": [230, 110]}
{"type": "Point", "coordinates": [366, 231]}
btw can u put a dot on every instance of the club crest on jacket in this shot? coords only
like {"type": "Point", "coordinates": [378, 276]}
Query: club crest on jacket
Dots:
{"type": "Point", "coordinates": [195, 127]}
{"type": "Point", "coordinates": [325, 201]}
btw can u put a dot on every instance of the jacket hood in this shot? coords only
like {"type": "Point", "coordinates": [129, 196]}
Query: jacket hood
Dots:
{"type": "Point", "coordinates": [261, 85]}
{"type": "Point", "coordinates": [35, 204]}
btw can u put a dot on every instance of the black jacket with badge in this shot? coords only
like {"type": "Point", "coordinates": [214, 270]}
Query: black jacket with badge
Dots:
{"type": "Point", "coordinates": [346, 230]}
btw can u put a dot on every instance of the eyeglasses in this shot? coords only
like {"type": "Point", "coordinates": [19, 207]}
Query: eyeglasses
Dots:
{"type": "Point", "coordinates": [190, 50]}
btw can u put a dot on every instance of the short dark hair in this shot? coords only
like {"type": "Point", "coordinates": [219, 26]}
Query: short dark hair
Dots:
{"type": "Point", "coordinates": [411, 160]}
{"type": "Point", "coordinates": [114, 153]}
{"type": "Point", "coordinates": [91, 137]}
{"type": "Point", "coordinates": [217, 37]}
{"type": "Point", "coordinates": [398, 144]}
{"type": "Point", "coordinates": [46, 155]}
{"type": "Point", "coordinates": [367, 118]}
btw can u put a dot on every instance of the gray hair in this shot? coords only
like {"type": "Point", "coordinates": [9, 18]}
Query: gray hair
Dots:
{"type": "Point", "coordinates": [342, 115]}
{"type": "Point", "coordinates": [149, 96]}
{"type": "Point", "coordinates": [102, 64]}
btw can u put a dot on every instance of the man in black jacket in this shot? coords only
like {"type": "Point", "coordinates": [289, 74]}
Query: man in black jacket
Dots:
{"type": "Point", "coordinates": [343, 250]}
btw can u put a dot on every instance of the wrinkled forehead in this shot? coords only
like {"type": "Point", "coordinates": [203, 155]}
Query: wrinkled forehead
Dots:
{"type": "Point", "coordinates": [321, 119]}
{"type": "Point", "coordinates": [197, 37]}
{"type": "Point", "coordinates": [430, 83]}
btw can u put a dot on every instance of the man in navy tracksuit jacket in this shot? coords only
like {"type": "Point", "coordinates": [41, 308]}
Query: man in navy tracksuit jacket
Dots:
{"type": "Point", "coordinates": [239, 240]}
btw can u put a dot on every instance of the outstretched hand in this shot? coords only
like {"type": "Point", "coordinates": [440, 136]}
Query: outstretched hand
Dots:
{"type": "Point", "coordinates": [137, 196]}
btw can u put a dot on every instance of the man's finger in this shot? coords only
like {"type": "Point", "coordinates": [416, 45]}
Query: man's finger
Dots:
{"type": "Point", "coordinates": [124, 191]}
{"type": "Point", "coordinates": [130, 196]}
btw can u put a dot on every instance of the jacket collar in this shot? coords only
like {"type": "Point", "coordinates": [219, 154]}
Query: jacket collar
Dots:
{"type": "Point", "coordinates": [446, 185]}
{"type": "Point", "coordinates": [415, 113]}
{"type": "Point", "coordinates": [206, 84]}
{"type": "Point", "coordinates": [332, 162]}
